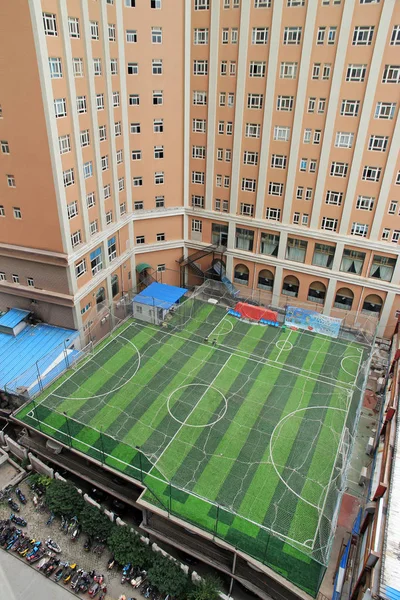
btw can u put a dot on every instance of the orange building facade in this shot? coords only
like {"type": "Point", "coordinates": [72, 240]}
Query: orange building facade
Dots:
{"type": "Point", "coordinates": [139, 131]}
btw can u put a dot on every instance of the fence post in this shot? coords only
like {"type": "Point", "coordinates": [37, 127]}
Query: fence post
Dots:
{"type": "Point", "coordinates": [36, 415]}
{"type": "Point", "coordinates": [68, 429]}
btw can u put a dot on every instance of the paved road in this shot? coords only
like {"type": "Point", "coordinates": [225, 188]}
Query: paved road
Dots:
{"type": "Point", "coordinates": [20, 582]}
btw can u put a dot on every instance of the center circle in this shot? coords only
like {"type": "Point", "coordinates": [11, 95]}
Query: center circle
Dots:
{"type": "Point", "coordinates": [202, 389]}
{"type": "Point", "coordinates": [284, 345]}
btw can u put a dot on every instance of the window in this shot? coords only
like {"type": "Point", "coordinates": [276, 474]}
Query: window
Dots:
{"type": "Point", "coordinates": [121, 184]}
{"type": "Point", "coordinates": [262, 3]}
{"type": "Point", "coordinates": [138, 205]}
{"type": "Point", "coordinates": [295, 3]}
{"type": "Point", "coordinates": [359, 229]}
{"type": "Point", "coordinates": [275, 189]}
{"type": "Point", "coordinates": [299, 192]}
{"type": "Point", "coordinates": [285, 103]}
{"type": "Point", "coordinates": [199, 152]}
{"type": "Point", "coordinates": [122, 208]}
{"type": "Point", "coordinates": [344, 140]}
{"type": "Point", "coordinates": [278, 161]}
{"type": "Point", "coordinates": [117, 128]}
{"type": "Point", "coordinates": [273, 214]}
{"type": "Point", "coordinates": [307, 136]}
{"type": "Point", "coordinates": [200, 67]}
{"type": "Point", "coordinates": [119, 157]}
{"type": "Point", "coordinates": [131, 36]}
{"type": "Point", "coordinates": [232, 68]}
{"type": "Point", "coordinates": [17, 212]}
{"type": "Point", "coordinates": [198, 201]}
{"type": "Point", "coordinates": [200, 37]}
{"type": "Point", "coordinates": [100, 101]}
{"type": "Point", "coordinates": [378, 143]}
{"type": "Point", "coordinates": [316, 70]}
{"type": "Point", "coordinates": [140, 239]}
{"type": "Point", "coordinates": [317, 136]}
{"type": "Point", "coordinates": [134, 100]}
{"type": "Point", "coordinates": [136, 154]}
{"type": "Point", "coordinates": [114, 66]}
{"type": "Point", "coordinates": [111, 32]}
{"type": "Point", "coordinates": [296, 218]}
{"type": "Point", "coordinates": [199, 98]}
{"type": "Point", "coordinates": [157, 97]}
{"type": "Point", "coordinates": [225, 35]}
{"type": "Point", "coordinates": [137, 181]}
{"type": "Point", "coordinates": [244, 239]}
{"type": "Point", "coordinates": [103, 133]}
{"type": "Point", "coordinates": [395, 38]}
{"type": "Point", "coordinates": [222, 98]}
{"type": "Point", "coordinates": [227, 181]}
{"type": "Point", "coordinates": [246, 210]}
{"type": "Point", "coordinates": [197, 225]}
{"type": "Point", "coordinates": [296, 250]}
{"type": "Point", "coordinates": [55, 68]}
{"type": "Point", "coordinates": [339, 169]}
{"type": "Point", "coordinates": [255, 101]}
{"type": "Point", "coordinates": [321, 35]}
{"type": "Point", "coordinates": [160, 202]}
{"type": "Point", "coordinates": [3, 276]}
{"type": "Point", "coordinates": [362, 36]}
{"type": "Point", "coordinates": [87, 169]}
{"type": "Point", "coordinates": [250, 158]}
{"type": "Point", "coordinates": [97, 66]}
{"type": "Point", "coordinates": [135, 127]}
{"type": "Point", "coordinates": [64, 143]}
{"type": "Point", "coordinates": [371, 173]}
{"type": "Point", "coordinates": [130, 3]}
{"type": "Point", "coordinates": [228, 155]}
{"type": "Point", "coordinates": [288, 70]}
{"type": "Point", "coordinates": [158, 125]}
{"type": "Point", "coordinates": [248, 185]}
{"type": "Point", "coordinates": [231, 99]}
{"type": "Point", "coordinates": [155, 4]}
{"type": "Point", "coordinates": [323, 255]}
{"type": "Point", "coordinates": [199, 125]}
{"type": "Point", "coordinates": [11, 181]}
{"type": "Point", "coordinates": [77, 67]}
{"type": "Point", "coordinates": [50, 24]}
{"type": "Point", "coordinates": [158, 152]}
{"type": "Point", "coordinates": [93, 227]}
{"type": "Point", "coordinates": [68, 177]}
{"type": "Point", "coordinates": [159, 178]}
{"type": "Point", "coordinates": [109, 217]}
{"type": "Point", "coordinates": [356, 72]}
{"type": "Point", "coordinates": [156, 35]}
{"type": "Point", "coordinates": [385, 110]}
{"type": "Point", "coordinates": [252, 130]}
{"type": "Point", "coordinates": [60, 108]}
{"type": "Point", "coordinates": [281, 134]}
{"type": "Point", "coordinates": [197, 177]}
{"type": "Point", "coordinates": [392, 207]}
{"type": "Point", "coordinates": [329, 224]}
{"type": "Point", "coordinates": [81, 104]}
{"type": "Point", "coordinates": [257, 69]}
{"type": "Point", "coordinates": [385, 234]}
{"type": "Point", "coordinates": [157, 66]}
{"type": "Point", "coordinates": [234, 35]}
{"type": "Point", "coordinates": [350, 108]}
{"type": "Point", "coordinates": [80, 269]}
{"type": "Point", "coordinates": [104, 163]}
{"type": "Point", "coordinates": [5, 148]}
{"type": "Point", "coordinates": [96, 261]}
{"type": "Point", "coordinates": [326, 72]}
{"type": "Point", "coordinates": [332, 35]}
{"type": "Point", "coordinates": [107, 191]}
{"type": "Point", "coordinates": [94, 30]}
{"type": "Point", "coordinates": [160, 237]}
{"type": "Point", "coordinates": [73, 27]}
{"type": "Point", "coordinates": [90, 200]}
{"type": "Point", "coordinates": [311, 105]}
{"type": "Point", "coordinates": [218, 181]}
{"type": "Point", "coordinates": [309, 193]}
{"type": "Point", "coordinates": [292, 35]}
{"type": "Point", "coordinates": [365, 203]}
{"type": "Point", "coordinates": [382, 267]}
{"type": "Point", "coordinates": [115, 97]}
{"type": "Point", "coordinates": [334, 198]}
{"type": "Point", "coordinates": [133, 68]}
{"type": "Point", "coordinates": [395, 236]}
{"type": "Point", "coordinates": [15, 278]}
{"type": "Point", "coordinates": [303, 164]}
{"type": "Point", "coordinates": [76, 239]}
{"type": "Point", "coordinates": [259, 35]}
{"type": "Point", "coordinates": [321, 105]}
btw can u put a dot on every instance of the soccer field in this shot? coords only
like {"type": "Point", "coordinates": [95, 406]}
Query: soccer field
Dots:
{"type": "Point", "coordinates": [242, 429]}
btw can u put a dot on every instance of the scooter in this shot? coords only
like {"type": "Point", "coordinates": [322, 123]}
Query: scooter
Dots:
{"type": "Point", "coordinates": [88, 544]}
{"type": "Point", "coordinates": [75, 578]}
{"type": "Point", "coordinates": [52, 545]}
{"type": "Point", "coordinates": [18, 520]}
{"type": "Point", "coordinates": [76, 533]}
{"type": "Point", "coordinates": [94, 589]}
{"type": "Point", "coordinates": [13, 505]}
{"type": "Point", "coordinates": [50, 519]}
{"type": "Point", "coordinates": [68, 575]}
{"type": "Point", "coordinates": [72, 524]}
{"type": "Point", "coordinates": [111, 563]}
{"type": "Point", "coordinates": [43, 561]}
{"type": "Point", "coordinates": [21, 496]}
{"type": "Point", "coordinates": [34, 551]}
{"type": "Point", "coordinates": [38, 556]}
{"type": "Point", "coordinates": [13, 538]}
{"type": "Point", "coordinates": [103, 593]}
{"type": "Point", "coordinates": [85, 583]}
{"type": "Point", "coordinates": [125, 573]}
{"type": "Point", "coordinates": [47, 563]}
{"type": "Point", "coordinates": [59, 573]}
{"type": "Point", "coordinates": [28, 549]}
{"type": "Point", "coordinates": [18, 542]}
{"type": "Point", "coordinates": [99, 578]}
{"type": "Point", "coordinates": [52, 568]}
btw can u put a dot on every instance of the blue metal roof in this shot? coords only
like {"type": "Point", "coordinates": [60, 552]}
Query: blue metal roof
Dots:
{"type": "Point", "coordinates": [160, 295]}
{"type": "Point", "coordinates": [12, 317]}
{"type": "Point", "coordinates": [18, 354]}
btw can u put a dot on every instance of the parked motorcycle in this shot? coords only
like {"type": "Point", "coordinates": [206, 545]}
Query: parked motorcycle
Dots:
{"type": "Point", "coordinates": [88, 544]}
{"type": "Point", "coordinates": [13, 505]}
{"type": "Point", "coordinates": [72, 525]}
{"type": "Point", "coordinates": [75, 578]}
{"type": "Point", "coordinates": [99, 578]}
{"type": "Point", "coordinates": [13, 538]}
{"type": "Point", "coordinates": [50, 519]}
{"type": "Point", "coordinates": [38, 556]}
{"type": "Point", "coordinates": [52, 567]}
{"type": "Point", "coordinates": [34, 551]}
{"type": "Point", "coordinates": [43, 561]}
{"type": "Point", "coordinates": [21, 496]}
{"type": "Point", "coordinates": [18, 520]}
{"type": "Point", "coordinates": [103, 593]}
{"type": "Point", "coordinates": [59, 573]}
{"type": "Point", "coordinates": [18, 542]}
{"type": "Point", "coordinates": [68, 574]}
{"type": "Point", "coordinates": [85, 583]}
{"type": "Point", "coordinates": [52, 545]}
{"type": "Point", "coordinates": [28, 549]}
{"type": "Point", "coordinates": [76, 532]}
{"type": "Point", "coordinates": [94, 589]}
{"type": "Point", "coordinates": [111, 563]}
{"type": "Point", "coordinates": [125, 572]}
{"type": "Point", "coordinates": [98, 548]}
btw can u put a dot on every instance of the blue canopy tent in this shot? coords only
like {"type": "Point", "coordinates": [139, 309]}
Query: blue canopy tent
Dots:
{"type": "Point", "coordinates": [154, 302]}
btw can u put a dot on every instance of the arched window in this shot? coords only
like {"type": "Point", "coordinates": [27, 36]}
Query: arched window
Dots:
{"type": "Point", "coordinates": [114, 285]}
{"type": "Point", "coordinates": [241, 274]}
{"type": "Point", "coordinates": [317, 292]}
{"type": "Point", "coordinates": [100, 297]}
{"type": "Point", "coordinates": [372, 304]}
{"type": "Point", "coordinates": [290, 286]}
{"type": "Point", "coordinates": [344, 299]}
{"type": "Point", "coordinates": [265, 280]}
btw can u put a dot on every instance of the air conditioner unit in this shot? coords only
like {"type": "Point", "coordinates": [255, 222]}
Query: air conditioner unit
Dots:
{"type": "Point", "coordinates": [103, 320]}
{"type": "Point", "coordinates": [370, 446]}
{"type": "Point", "coordinates": [363, 476]}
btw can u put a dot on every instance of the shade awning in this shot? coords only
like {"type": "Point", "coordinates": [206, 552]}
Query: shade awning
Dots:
{"type": "Point", "coordinates": [142, 266]}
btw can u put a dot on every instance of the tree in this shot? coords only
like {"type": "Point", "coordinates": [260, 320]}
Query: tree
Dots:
{"type": "Point", "coordinates": [207, 588]}
{"type": "Point", "coordinates": [127, 548]}
{"type": "Point", "coordinates": [62, 498]}
{"type": "Point", "coordinates": [168, 578]}
{"type": "Point", "coordinates": [95, 523]}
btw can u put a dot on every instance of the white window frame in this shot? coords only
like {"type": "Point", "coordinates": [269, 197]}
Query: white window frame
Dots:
{"type": "Point", "coordinates": [288, 70]}
{"type": "Point", "coordinates": [55, 66]}
{"type": "Point", "coordinates": [365, 203]}
{"type": "Point", "coordinates": [50, 24]}
{"type": "Point", "coordinates": [64, 143]}
{"type": "Point", "coordinates": [385, 110]}
{"type": "Point", "coordinates": [356, 73]}
{"type": "Point", "coordinates": [344, 139]}
{"type": "Point", "coordinates": [253, 130]}
{"type": "Point", "coordinates": [73, 27]}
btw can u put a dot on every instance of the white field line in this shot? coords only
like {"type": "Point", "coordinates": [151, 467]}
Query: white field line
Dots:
{"type": "Point", "coordinates": [217, 325]}
{"type": "Point", "coordinates": [283, 347]}
{"type": "Point", "coordinates": [189, 415]}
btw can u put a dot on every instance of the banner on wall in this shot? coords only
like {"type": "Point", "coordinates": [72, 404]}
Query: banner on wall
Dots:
{"type": "Point", "coordinates": [312, 321]}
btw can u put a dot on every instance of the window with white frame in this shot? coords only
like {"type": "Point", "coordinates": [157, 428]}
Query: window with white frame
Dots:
{"type": "Point", "coordinates": [94, 30]}
{"type": "Point", "coordinates": [299, 192]}
{"type": "Point", "coordinates": [11, 181]}
{"type": "Point", "coordinates": [140, 239]}
{"type": "Point", "coordinates": [292, 3]}
{"type": "Point", "coordinates": [156, 35]}
{"type": "Point", "coordinates": [321, 35]}
{"type": "Point", "coordinates": [378, 143]}
{"type": "Point", "coordinates": [107, 191]}
{"type": "Point", "coordinates": [87, 169]}
{"type": "Point", "coordinates": [281, 134]}
{"type": "Point", "coordinates": [49, 24]}
{"type": "Point", "coordinates": [395, 37]}
{"type": "Point", "coordinates": [326, 72]}
{"type": "Point", "coordinates": [329, 224]}
{"type": "Point", "coordinates": [77, 67]}
{"type": "Point", "coordinates": [262, 3]}
{"type": "Point", "coordinates": [385, 234]}
{"type": "Point", "coordinates": [103, 133]}
{"type": "Point", "coordinates": [317, 136]}
{"type": "Point", "coordinates": [321, 106]}
{"type": "Point", "coordinates": [60, 108]}
{"type": "Point", "coordinates": [17, 212]}
{"type": "Point", "coordinates": [385, 110]}
{"type": "Point", "coordinates": [201, 4]}
{"type": "Point", "coordinates": [232, 68]}
{"type": "Point", "coordinates": [350, 108]}
{"type": "Point", "coordinates": [200, 36]}
{"type": "Point", "coordinates": [311, 105]}
{"type": "Point", "coordinates": [158, 152]}
{"type": "Point", "coordinates": [307, 136]}
{"type": "Point", "coordinates": [199, 98]}
{"type": "Point", "coordinates": [259, 35]}
{"type": "Point", "coordinates": [116, 99]}
{"type": "Point", "coordinates": [114, 66]}
{"type": "Point", "coordinates": [278, 161]}
{"type": "Point", "coordinates": [332, 35]}
{"type": "Point", "coordinates": [359, 229]}
{"type": "Point", "coordinates": [136, 155]}
{"type": "Point", "coordinates": [365, 203]}
{"type": "Point", "coordinates": [296, 218]}
{"type": "Point", "coordinates": [248, 185]}
{"type": "Point", "coordinates": [221, 127]}
{"type": "Point", "coordinates": [231, 99]}
{"type": "Point", "coordinates": [68, 177]}
{"type": "Point", "coordinates": [252, 130]}
{"type": "Point", "coordinates": [157, 97]}
{"type": "Point", "coordinates": [225, 35]}
{"type": "Point", "coordinates": [309, 194]}
{"type": "Point", "coordinates": [395, 236]}
{"type": "Point", "coordinates": [392, 210]}
{"type": "Point", "coordinates": [90, 200]}
{"type": "Point", "coordinates": [227, 181]}
{"type": "Point", "coordinates": [255, 101]}
{"type": "Point", "coordinates": [138, 205]}
{"type": "Point", "coordinates": [222, 98]}
{"type": "Point", "coordinates": [15, 278]}
{"type": "Point", "coordinates": [135, 127]}
{"type": "Point", "coordinates": [197, 201]}
{"type": "Point", "coordinates": [257, 69]}
{"type": "Point", "coordinates": [5, 148]}
{"type": "Point", "coordinates": [229, 128]}
{"type": "Point", "coordinates": [111, 32]}
{"type": "Point", "coordinates": [199, 152]}
{"type": "Point", "coordinates": [109, 217]}
{"type": "Point", "coordinates": [199, 125]}
{"type": "Point", "coordinates": [133, 68]}
{"type": "Point", "coordinates": [160, 237]}
{"type": "Point", "coordinates": [155, 4]}
{"type": "Point", "coordinates": [97, 66]}
{"type": "Point", "coordinates": [200, 67]}
{"type": "Point", "coordinates": [81, 104]}
{"type": "Point", "coordinates": [285, 103]}
{"type": "Point", "coordinates": [76, 238]}
{"type": "Point", "coordinates": [122, 208]}
{"type": "Point", "coordinates": [356, 72]}
{"type": "Point", "coordinates": [117, 128]}
{"type": "Point", "coordinates": [131, 36]}
{"type": "Point", "coordinates": [64, 142]}
{"type": "Point", "coordinates": [134, 100]}
{"type": "Point", "coordinates": [73, 27]}
{"type": "Point", "coordinates": [159, 177]}
{"type": "Point", "coordinates": [292, 35]}
{"type": "Point", "coordinates": [218, 180]}
{"type": "Point", "coordinates": [100, 101]}
{"type": "Point", "coordinates": [288, 70]}
{"type": "Point", "coordinates": [197, 225]}
{"type": "Point", "coordinates": [250, 158]}
{"type": "Point", "coordinates": [93, 227]}
{"type": "Point", "coordinates": [158, 125]}
{"type": "Point", "coordinates": [371, 173]}
{"type": "Point", "coordinates": [96, 261]}
{"type": "Point", "coordinates": [80, 268]}
{"type": "Point", "coordinates": [344, 139]}
{"type": "Point", "coordinates": [223, 68]}
{"type": "Point", "coordinates": [273, 214]}
{"type": "Point", "coordinates": [362, 35]}
{"type": "Point", "coordinates": [55, 68]}
{"type": "Point", "coordinates": [234, 35]}
{"type": "Point", "coordinates": [104, 163]}
{"type": "Point", "coordinates": [121, 184]}
{"type": "Point", "coordinates": [334, 198]}
{"type": "Point", "coordinates": [316, 71]}
{"type": "Point", "coordinates": [156, 66]}
{"type": "Point", "coordinates": [303, 164]}
{"type": "Point", "coordinates": [119, 157]}
{"type": "Point", "coordinates": [246, 210]}
{"type": "Point", "coordinates": [339, 169]}
{"type": "Point", "coordinates": [275, 188]}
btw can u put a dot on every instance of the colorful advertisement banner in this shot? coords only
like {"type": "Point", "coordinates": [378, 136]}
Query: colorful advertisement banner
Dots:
{"type": "Point", "coordinates": [301, 318]}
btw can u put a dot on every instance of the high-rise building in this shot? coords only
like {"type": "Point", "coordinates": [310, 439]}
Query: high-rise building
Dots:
{"type": "Point", "coordinates": [134, 132]}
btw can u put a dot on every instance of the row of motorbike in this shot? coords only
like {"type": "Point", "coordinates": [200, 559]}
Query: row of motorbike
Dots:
{"type": "Point", "coordinates": [45, 555]}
